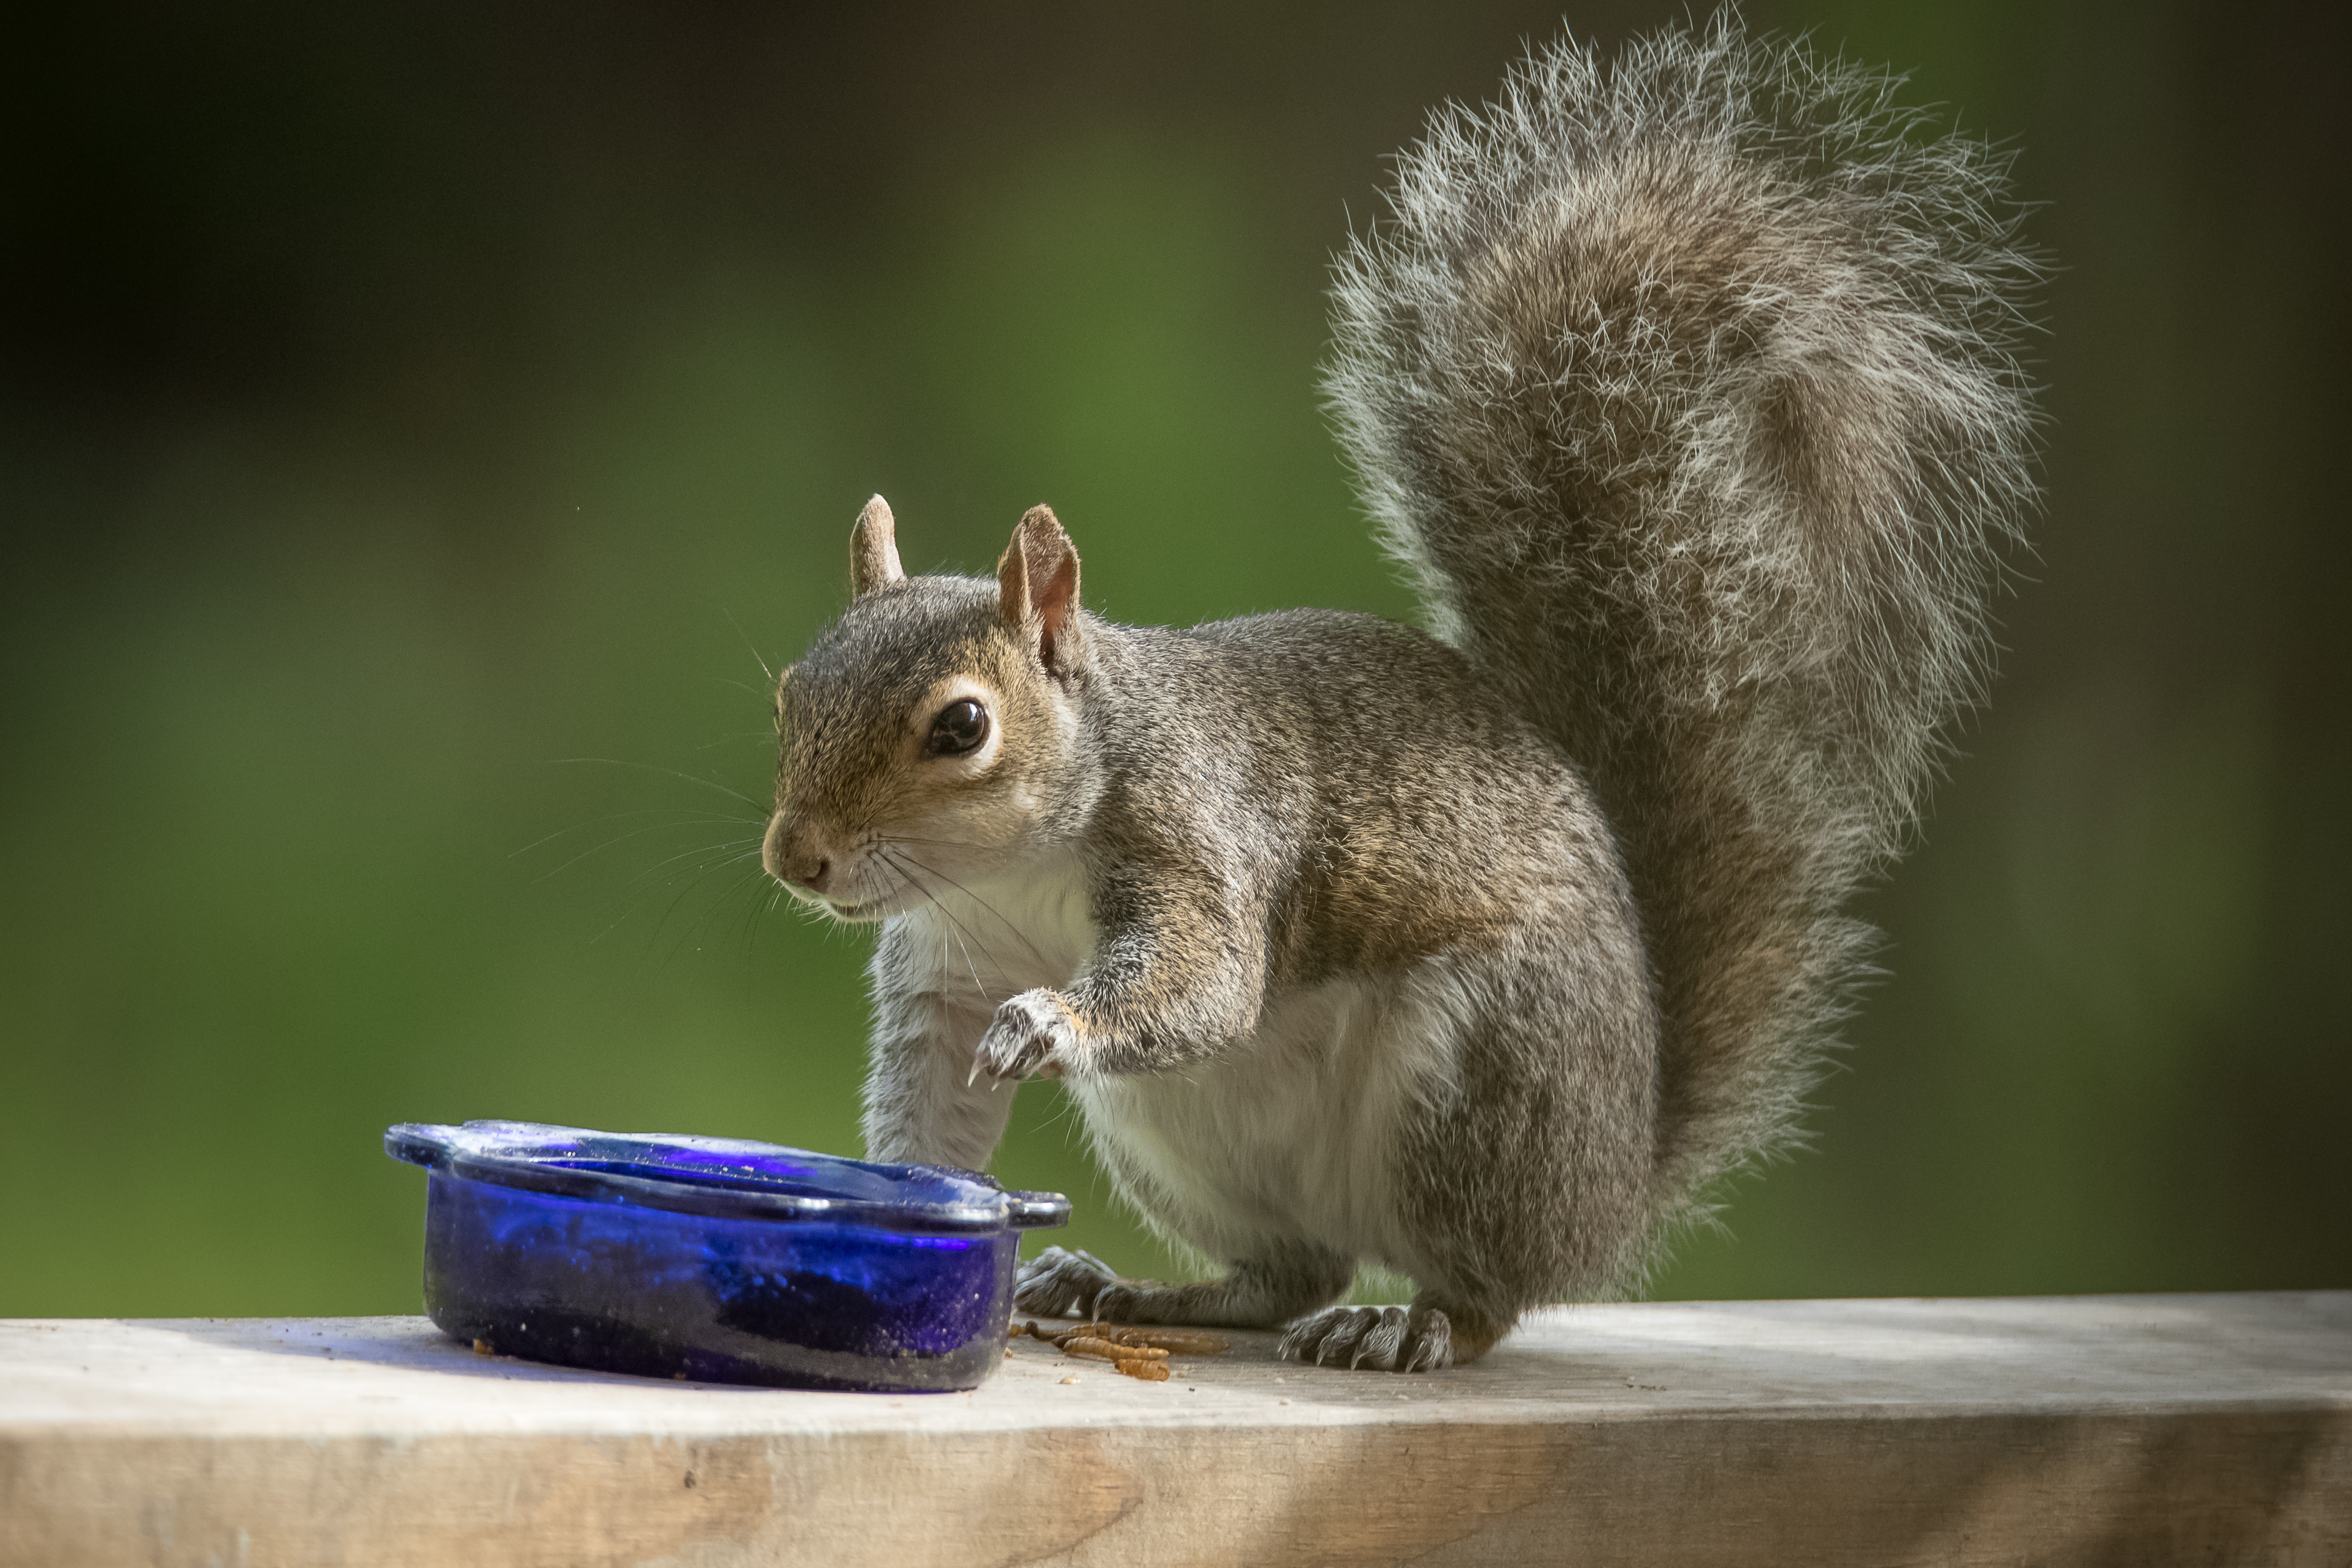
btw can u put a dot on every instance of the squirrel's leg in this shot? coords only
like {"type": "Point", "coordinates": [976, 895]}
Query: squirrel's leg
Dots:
{"type": "Point", "coordinates": [1282, 1282]}
{"type": "Point", "coordinates": [1177, 975]}
{"type": "Point", "coordinates": [1530, 1181]}
{"type": "Point", "coordinates": [921, 1104]}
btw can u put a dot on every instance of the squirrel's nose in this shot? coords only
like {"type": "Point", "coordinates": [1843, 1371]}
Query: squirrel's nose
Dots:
{"type": "Point", "coordinates": [790, 858]}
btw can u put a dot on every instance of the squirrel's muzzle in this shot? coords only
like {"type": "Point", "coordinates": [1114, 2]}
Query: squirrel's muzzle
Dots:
{"type": "Point", "coordinates": [791, 855]}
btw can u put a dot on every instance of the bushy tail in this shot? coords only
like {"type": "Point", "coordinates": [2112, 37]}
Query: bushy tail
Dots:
{"type": "Point", "coordinates": [1685, 387]}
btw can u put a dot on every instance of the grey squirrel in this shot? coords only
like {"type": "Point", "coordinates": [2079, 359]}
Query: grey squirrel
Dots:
{"type": "Point", "coordinates": [1685, 389]}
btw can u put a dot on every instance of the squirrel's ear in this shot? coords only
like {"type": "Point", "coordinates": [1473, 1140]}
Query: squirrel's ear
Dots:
{"type": "Point", "coordinates": [1037, 587]}
{"type": "Point", "coordinates": [873, 550]}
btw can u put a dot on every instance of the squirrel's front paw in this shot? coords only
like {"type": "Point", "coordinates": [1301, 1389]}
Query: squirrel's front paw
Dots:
{"type": "Point", "coordinates": [1060, 1281]}
{"type": "Point", "coordinates": [1034, 1035]}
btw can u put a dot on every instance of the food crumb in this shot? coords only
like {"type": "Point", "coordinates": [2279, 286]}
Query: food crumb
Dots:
{"type": "Point", "coordinates": [482, 1347]}
{"type": "Point", "coordinates": [1073, 1378]}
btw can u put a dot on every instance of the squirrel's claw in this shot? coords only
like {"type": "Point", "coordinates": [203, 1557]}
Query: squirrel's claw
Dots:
{"type": "Point", "coordinates": [1033, 1035]}
{"type": "Point", "coordinates": [1381, 1339]}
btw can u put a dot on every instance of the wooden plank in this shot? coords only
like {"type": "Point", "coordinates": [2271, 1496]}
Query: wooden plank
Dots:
{"type": "Point", "coordinates": [2127, 1429]}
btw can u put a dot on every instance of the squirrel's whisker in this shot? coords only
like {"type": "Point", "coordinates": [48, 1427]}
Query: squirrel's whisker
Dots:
{"type": "Point", "coordinates": [756, 657]}
{"type": "Point", "coordinates": [668, 772]}
{"type": "Point", "coordinates": [1018, 935]}
{"type": "Point", "coordinates": [640, 832]}
{"type": "Point", "coordinates": [735, 848]}
{"type": "Point", "coordinates": [956, 927]}
{"type": "Point", "coordinates": [675, 819]}
{"type": "Point", "coordinates": [941, 843]}
{"type": "Point", "coordinates": [766, 738]}
{"type": "Point", "coordinates": [741, 880]}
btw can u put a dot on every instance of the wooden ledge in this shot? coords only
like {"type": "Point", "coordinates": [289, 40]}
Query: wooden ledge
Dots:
{"type": "Point", "coordinates": [2107, 1429]}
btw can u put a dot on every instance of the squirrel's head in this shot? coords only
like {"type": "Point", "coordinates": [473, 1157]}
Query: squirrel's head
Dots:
{"type": "Point", "coordinates": [928, 738]}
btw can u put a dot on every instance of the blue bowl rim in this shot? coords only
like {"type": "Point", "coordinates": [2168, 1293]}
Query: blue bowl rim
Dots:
{"type": "Point", "coordinates": [517, 1154]}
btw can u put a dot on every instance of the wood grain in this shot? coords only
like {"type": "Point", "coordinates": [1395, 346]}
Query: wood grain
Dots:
{"type": "Point", "coordinates": [2129, 1430]}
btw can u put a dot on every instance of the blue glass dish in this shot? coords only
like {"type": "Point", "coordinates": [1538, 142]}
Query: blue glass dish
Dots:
{"type": "Point", "coordinates": [714, 1258]}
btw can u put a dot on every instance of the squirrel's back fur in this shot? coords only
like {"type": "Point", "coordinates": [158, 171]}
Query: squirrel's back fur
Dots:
{"type": "Point", "coordinates": [1685, 387]}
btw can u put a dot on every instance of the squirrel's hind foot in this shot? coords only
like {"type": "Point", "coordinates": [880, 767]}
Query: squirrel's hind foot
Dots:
{"type": "Point", "coordinates": [1376, 1339]}
{"type": "Point", "coordinates": [1423, 1337]}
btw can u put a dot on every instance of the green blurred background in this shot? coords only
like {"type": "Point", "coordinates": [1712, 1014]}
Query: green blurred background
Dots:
{"type": "Point", "coordinates": [401, 405]}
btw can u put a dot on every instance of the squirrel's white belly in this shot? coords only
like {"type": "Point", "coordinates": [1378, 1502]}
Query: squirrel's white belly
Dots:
{"type": "Point", "coordinates": [1288, 1135]}
{"type": "Point", "coordinates": [1285, 1135]}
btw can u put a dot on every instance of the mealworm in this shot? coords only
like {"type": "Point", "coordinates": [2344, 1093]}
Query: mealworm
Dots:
{"type": "Point", "coordinates": [1104, 1350]}
{"type": "Point", "coordinates": [1184, 1341]}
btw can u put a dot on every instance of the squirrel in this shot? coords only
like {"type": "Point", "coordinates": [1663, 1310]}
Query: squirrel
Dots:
{"type": "Point", "coordinates": [1685, 389]}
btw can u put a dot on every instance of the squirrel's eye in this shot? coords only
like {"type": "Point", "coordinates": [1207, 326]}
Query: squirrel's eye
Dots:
{"type": "Point", "coordinates": [959, 727]}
